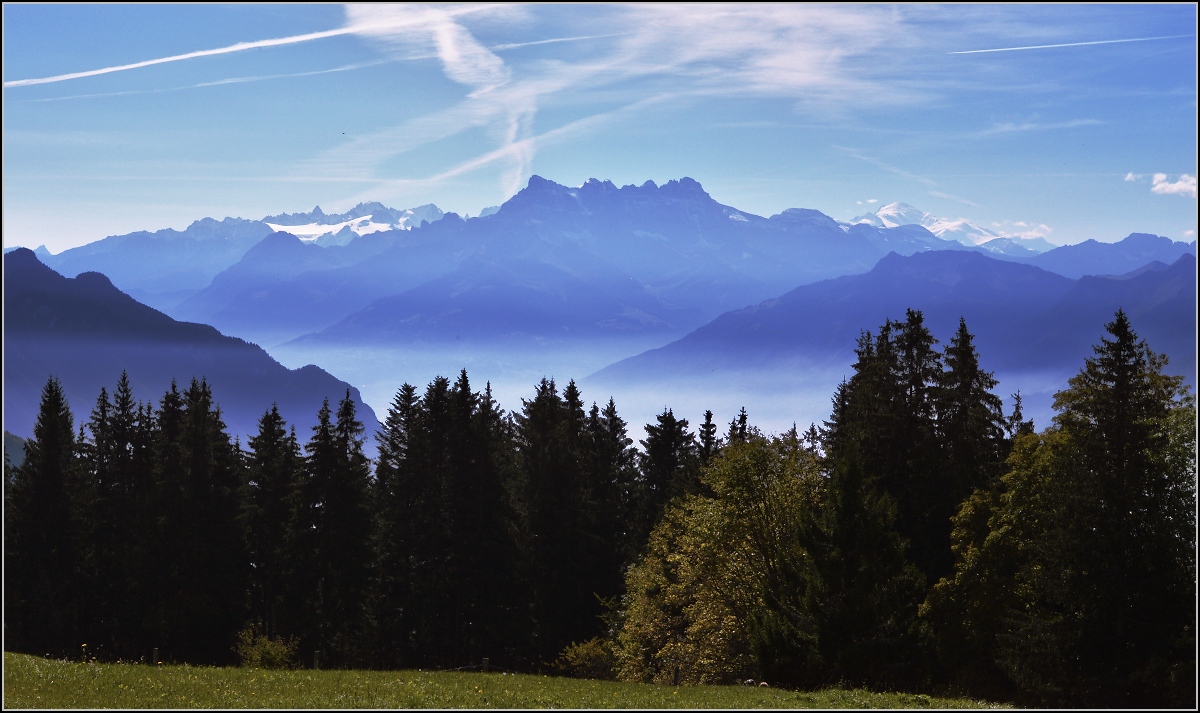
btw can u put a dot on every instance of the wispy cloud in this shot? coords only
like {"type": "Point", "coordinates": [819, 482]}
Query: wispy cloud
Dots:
{"type": "Point", "coordinates": [1185, 186]}
{"type": "Point", "coordinates": [1010, 127]}
{"type": "Point", "coordinates": [239, 47]}
{"type": "Point", "coordinates": [1072, 44]}
{"type": "Point", "coordinates": [366, 24]}
{"type": "Point", "coordinates": [802, 53]}
{"type": "Point", "coordinates": [951, 197]}
{"type": "Point", "coordinates": [515, 151]}
{"type": "Point", "coordinates": [555, 40]}
{"type": "Point", "coordinates": [215, 83]}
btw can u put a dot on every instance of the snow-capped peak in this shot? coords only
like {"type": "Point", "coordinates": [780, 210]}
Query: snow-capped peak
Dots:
{"type": "Point", "coordinates": [894, 215]}
{"type": "Point", "coordinates": [960, 230]}
{"type": "Point", "coordinates": [317, 227]}
{"type": "Point", "coordinates": [312, 231]}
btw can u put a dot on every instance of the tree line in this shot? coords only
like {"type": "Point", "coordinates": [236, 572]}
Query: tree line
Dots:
{"type": "Point", "coordinates": [920, 539]}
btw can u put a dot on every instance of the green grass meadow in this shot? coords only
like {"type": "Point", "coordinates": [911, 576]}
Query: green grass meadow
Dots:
{"type": "Point", "coordinates": [32, 682]}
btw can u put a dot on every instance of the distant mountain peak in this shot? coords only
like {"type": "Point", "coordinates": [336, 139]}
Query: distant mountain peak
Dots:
{"type": "Point", "coordinates": [960, 230]}
{"type": "Point", "coordinates": [341, 228]}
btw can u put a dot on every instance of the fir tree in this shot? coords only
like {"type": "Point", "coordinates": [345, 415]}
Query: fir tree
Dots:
{"type": "Point", "coordinates": [708, 438]}
{"type": "Point", "coordinates": [971, 424]}
{"type": "Point", "coordinates": [45, 555]}
{"type": "Point", "coordinates": [669, 465]}
{"type": "Point", "coordinates": [206, 564]}
{"type": "Point", "coordinates": [1076, 577]}
{"type": "Point", "coordinates": [273, 465]}
{"type": "Point", "coordinates": [334, 498]}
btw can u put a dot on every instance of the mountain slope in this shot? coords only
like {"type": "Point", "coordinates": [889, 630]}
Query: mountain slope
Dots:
{"type": "Point", "coordinates": [509, 300]}
{"type": "Point", "coordinates": [85, 331]}
{"type": "Point", "coordinates": [1092, 257]}
{"type": "Point", "coordinates": [1023, 317]}
{"type": "Point", "coordinates": [165, 266]}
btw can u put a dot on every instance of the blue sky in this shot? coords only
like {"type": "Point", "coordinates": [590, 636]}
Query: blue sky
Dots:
{"type": "Point", "coordinates": [130, 117]}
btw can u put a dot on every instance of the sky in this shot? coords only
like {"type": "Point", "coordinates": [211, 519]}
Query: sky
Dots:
{"type": "Point", "coordinates": [1067, 122]}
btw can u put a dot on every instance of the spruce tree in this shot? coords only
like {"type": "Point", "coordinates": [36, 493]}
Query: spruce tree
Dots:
{"type": "Point", "coordinates": [708, 438]}
{"type": "Point", "coordinates": [875, 541]}
{"type": "Point", "coordinates": [46, 559]}
{"type": "Point", "coordinates": [334, 502]}
{"type": "Point", "coordinates": [273, 464]}
{"type": "Point", "coordinates": [669, 465]}
{"type": "Point", "coordinates": [971, 425]}
{"type": "Point", "coordinates": [399, 518]}
{"type": "Point", "coordinates": [1076, 579]}
{"type": "Point", "coordinates": [126, 527]}
{"type": "Point", "coordinates": [550, 473]}
{"type": "Point", "coordinates": [204, 585]}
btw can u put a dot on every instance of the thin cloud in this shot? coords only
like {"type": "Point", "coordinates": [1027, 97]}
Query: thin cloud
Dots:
{"type": "Point", "coordinates": [1072, 44]}
{"type": "Point", "coordinates": [239, 47]}
{"type": "Point", "coordinates": [518, 150]}
{"type": "Point", "coordinates": [215, 83]}
{"type": "Point", "coordinates": [950, 197]}
{"type": "Point", "coordinates": [368, 24]}
{"type": "Point", "coordinates": [1009, 128]}
{"type": "Point", "coordinates": [1185, 186]}
{"type": "Point", "coordinates": [555, 40]}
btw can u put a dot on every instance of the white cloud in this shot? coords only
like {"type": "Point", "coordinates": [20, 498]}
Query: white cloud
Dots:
{"type": "Point", "coordinates": [1010, 127]}
{"type": "Point", "coordinates": [1189, 233]}
{"type": "Point", "coordinates": [872, 200]}
{"type": "Point", "coordinates": [1023, 229]}
{"type": "Point", "coordinates": [803, 53]}
{"type": "Point", "coordinates": [405, 28]}
{"type": "Point", "coordinates": [1130, 177]}
{"type": "Point", "coordinates": [1185, 186]}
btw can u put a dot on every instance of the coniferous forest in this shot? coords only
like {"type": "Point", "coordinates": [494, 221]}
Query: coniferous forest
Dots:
{"type": "Point", "coordinates": [921, 539]}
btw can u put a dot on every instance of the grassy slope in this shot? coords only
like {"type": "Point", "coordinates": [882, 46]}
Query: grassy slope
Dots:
{"type": "Point", "coordinates": [31, 682]}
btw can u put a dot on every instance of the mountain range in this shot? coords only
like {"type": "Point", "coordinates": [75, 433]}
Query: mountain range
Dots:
{"type": "Point", "coordinates": [564, 280]}
{"type": "Point", "coordinates": [86, 332]}
{"type": "Point", "coordinates": [1024, 318]}
{"type": "Point", "coordinates": [362, 219]}
{"type": "Point", "coordinates": [670, 252]}
{"type": "Point", "coordinates": [165, 267]}
{"type": "Point", "coordinates": [960, 230]}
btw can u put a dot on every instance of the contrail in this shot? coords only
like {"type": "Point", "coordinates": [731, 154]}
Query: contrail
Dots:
{"type": "Point", "coordinates": [1072, 44]}
{"type": "Point", "coordinates": [190, 55]}
{"type": "Point", "coordinates": [351, 29]}
{"type": "Point", "coordinates": [515, 45]}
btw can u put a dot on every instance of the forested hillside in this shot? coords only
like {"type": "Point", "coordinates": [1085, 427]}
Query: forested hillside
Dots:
{"type": "Point", "coordinates": [920, 539]}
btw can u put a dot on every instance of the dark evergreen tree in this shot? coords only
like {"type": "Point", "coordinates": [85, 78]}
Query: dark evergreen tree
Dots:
{"type": "Point", "coordinates": [882, 456]}
{"type": "Point", "coordinates": [737, 428]}
{"type": "Point", "coordinates": [126, 529]}
{"type": "Point", "coordinates": [203, 589]}
{"type": "Point", "coordinates": [669, 465]}
{"type": "Point", "coordinates": [613, 484]}
{"type": "Point", "coordinates": [333, 504]}
{"type": "Point", "coordinates": [708, 438]}
{"type": "Point", "coordinates": [400, 510]}
{"type": "Point", "coordinates": [46, 558]}
{"type": "Point", "coordinates": [861, 590]}
{"type": "Point", "coordinates": [550, 472]}
{"type": "Point", "coordinates": [971, 424]}
{"type": "Point", "coordinates": [1075, 579]}
{"type": "Point", "coordinates": [480, 558]}
{"type": "Point", "coordinates": [273, 465]}
{"type": "Point", "coordinates": [1121, 544]}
